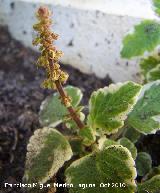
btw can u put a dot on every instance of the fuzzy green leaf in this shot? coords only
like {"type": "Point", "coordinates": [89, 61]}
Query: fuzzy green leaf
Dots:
{"type": "Point", "coordinates": [157, 6]}
{"type": "Point", "coordinates": [147, 65]}
{"type": "Point", "coordinates": [145, 116]}
{"type": "Point", "coordinates": [105, 142]}
{"type": "Point", "coordinates": [123, 141]}
{"type": "Point", "coordinates": [111, 166]}
{"type": "Point", "coordinates": [143, 163]}
{"type": "Point", "coordinates": [52, 111]}
{"type": "Point", "coordinates": [132, 134]}
{"type": "Point", "coordinates": [109, 106]}
{"type": "Point", "coordinates": [145, 37]}
{"type": "Point", "coordinates": [153, 172]}
{"type": "Point", "coordinates": [47, 151]}
{"type": "Point", "coordinates": [129, 145]}
{"type": "Point", "coordinates": [150, 186]}
{"type": "Point", "coordinates": [77, 146]}
{"type": "Point", "coordinates": [88, 136]}
{"type": "Point", "coordinates": [153, 74]}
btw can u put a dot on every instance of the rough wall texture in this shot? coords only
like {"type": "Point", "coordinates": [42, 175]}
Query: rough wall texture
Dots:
{"type": "Point", "coordinates": [90, 33]}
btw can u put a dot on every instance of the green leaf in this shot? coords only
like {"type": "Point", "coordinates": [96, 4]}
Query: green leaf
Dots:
{"type": "Point", "coordinates": [129, 145]}
{"type": "Point", "coordinates": [123, 141]}
{"type": "Point", "coordinates": [77, 146]}
{"type": "Point", "coordinates": [88, 136]}
{"type": "Point", "coordinates": [52, 111]}
{"type": "Point", "coordinates": [112, 166]}
{"type": "Point", "coordinates": [109, 106]}
{"type": "Point", "coordinates": [145, 37]}
{"type": "Point", "coordinates": [143, 163]}
{"type": "Point", "coordinates": [157, 6]}
{"type": "Point", "coordinates": [105, 142]}
{"type": "Point", "coordinates": [153, 172]}
{"type": "Point", "coordinates": [47, 151]}
{"type": "Point", "coordinates": [149, 64]}
{"type": "Point", "coordinates": [150, 186]}
{"type": "Point", "coordinates": [145, 116]}
{"type": "Point", "coordinates": [132, 134]}
{"type": "Point", "coordinates": [153, 74]}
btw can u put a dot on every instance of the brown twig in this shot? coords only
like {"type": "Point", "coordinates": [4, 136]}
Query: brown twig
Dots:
{"type": "Point", "coordinates": [72, 112]}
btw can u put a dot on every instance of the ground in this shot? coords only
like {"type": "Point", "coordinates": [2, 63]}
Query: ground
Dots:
{"type": "Point", "coordinates": [20, 99]}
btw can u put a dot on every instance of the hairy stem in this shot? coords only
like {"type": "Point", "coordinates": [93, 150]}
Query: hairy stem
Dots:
{"type": "Point", "coordinates": [70, 109]}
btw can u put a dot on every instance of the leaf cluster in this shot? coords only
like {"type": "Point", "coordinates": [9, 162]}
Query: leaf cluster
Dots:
{"type": "Point", "coordinates": [104, 149]}
{"type": "Point", "coordinates": [144, 42]}
{"type": "Point", "coordinates": [103, 153]}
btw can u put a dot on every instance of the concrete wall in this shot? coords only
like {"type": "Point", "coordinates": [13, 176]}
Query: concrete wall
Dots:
{"type": "Point", "coordinates": [91, 31]}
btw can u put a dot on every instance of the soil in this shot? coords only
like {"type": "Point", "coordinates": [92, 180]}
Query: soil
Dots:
{"type": "Point", "coordinates": [20, 99]}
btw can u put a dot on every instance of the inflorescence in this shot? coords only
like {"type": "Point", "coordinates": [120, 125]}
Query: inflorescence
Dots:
{"type": "Point", "coordinates": [49, 54]}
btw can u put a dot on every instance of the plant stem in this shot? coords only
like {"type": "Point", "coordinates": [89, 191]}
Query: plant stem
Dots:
{"type": "Point", "coordinates": [70, 109]}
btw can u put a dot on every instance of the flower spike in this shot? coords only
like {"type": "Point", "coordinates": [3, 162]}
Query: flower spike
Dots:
{"type": "Point", "coordinates": [49, 54]}
{"type": "Point", "coordinates": [49, 60]}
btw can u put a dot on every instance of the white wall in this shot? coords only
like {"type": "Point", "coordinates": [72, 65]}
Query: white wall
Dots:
{"type": "Point", "coordinates": [91, 31]}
